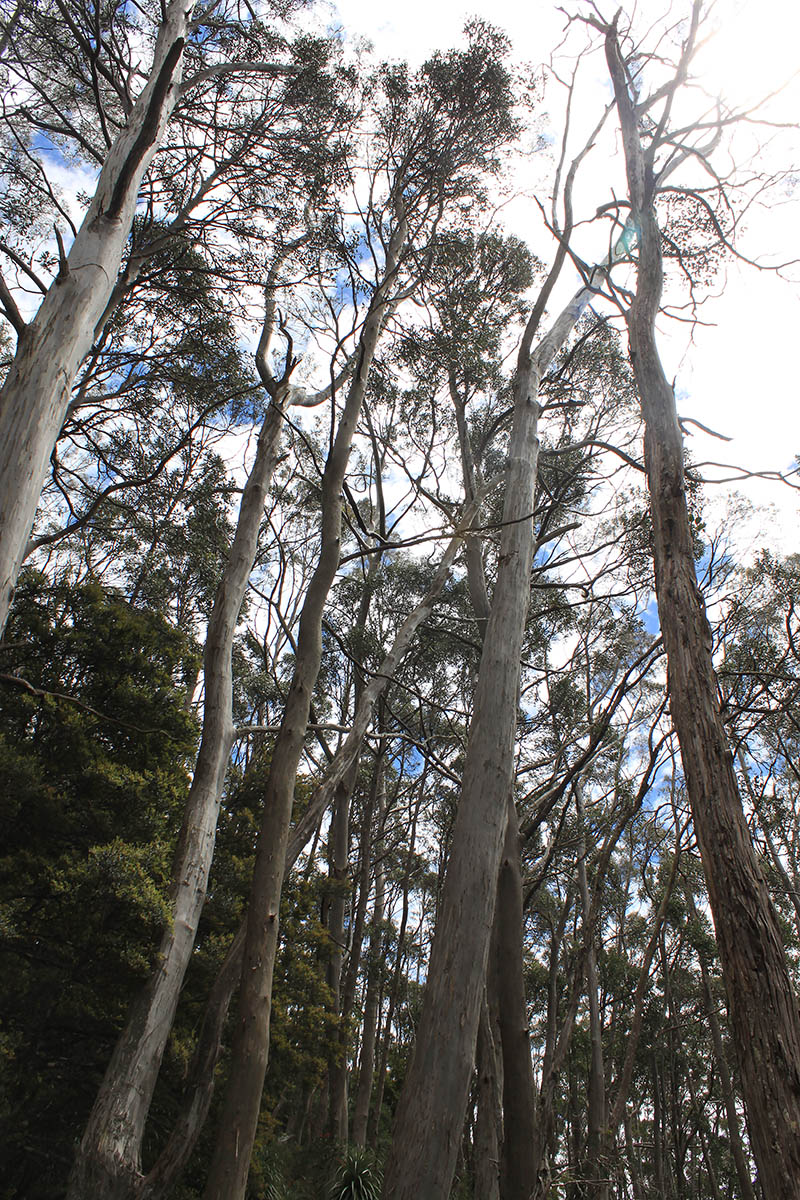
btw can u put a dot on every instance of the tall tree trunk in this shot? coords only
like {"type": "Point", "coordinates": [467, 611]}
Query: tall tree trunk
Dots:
{"type": "Point", "coordinates": [343, 996]}
{"type": "Point", "coordinates": [726, 1083]}
{"type": "Point", "coordinates": [199, 1088]}
{"type": "Point", "coordinates": [373, 1124]}
{"type": "Point", "coordinates": [488, 1120]}
{"type": "Point", "coordinates": [109, 1156]}
{"type": "Point", "coordinates": [634, 1162]}
{"type": "Point", "coordinates": [365, 875]}
{"type": "Point", "coordinates": [432, 1106]}
{"type": "Point", "coordinates": [544, 1145]}
{"type": "Point", "coordinates": [761, 1001]}
{"type": "Point", "coordinates": [237, 1127]}
{"type": "Point", "coordinates": [623, 1083]}
{"type": "Point", "coordinates": [518, 1167]}
{"type": "Point", "coordinates": [549, 1071]}
{"type": "Point", "coordinates": [431, 1110]}
{"type": "Point", "coordinates": [366, 1066]}
{"type": "Point", "coordinates": [596, 1165]}
{"type": "Point", "coordinates": [658, 1131]}
{"type": "Point", "coordinates": [505, 990]}
{"type": "Point", "coordinates": [165, 1173]}
{"type": "Point", "coordinates": [476, 576]}
{"type": "Point", "coordinates": [339, 858]}
{"type": "Point", "coordinates": [50, 350]}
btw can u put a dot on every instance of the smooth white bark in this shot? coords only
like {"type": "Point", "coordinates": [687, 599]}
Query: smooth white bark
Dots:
{"type": "Point", "coordinates": [111, 1146]}
{"type": "Point", "coordinates": [35, 396]}
{"type": "Point", "coordinates": [430, 1114]}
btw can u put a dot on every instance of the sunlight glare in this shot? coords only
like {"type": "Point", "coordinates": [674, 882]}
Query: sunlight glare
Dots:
{"type": "Point", "coordinates": [752, 52]}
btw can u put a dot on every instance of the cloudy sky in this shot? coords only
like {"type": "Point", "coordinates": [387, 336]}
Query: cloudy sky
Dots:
{"type": "Point", "coordinates": [737, 372]}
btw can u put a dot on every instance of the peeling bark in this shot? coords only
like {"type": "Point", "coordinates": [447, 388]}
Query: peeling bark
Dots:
{"type": "Point", "coordinates": [761, 1001]}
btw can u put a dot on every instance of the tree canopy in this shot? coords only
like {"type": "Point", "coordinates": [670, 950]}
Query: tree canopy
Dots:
{"type": "Point", "coordinates": [398, 737]}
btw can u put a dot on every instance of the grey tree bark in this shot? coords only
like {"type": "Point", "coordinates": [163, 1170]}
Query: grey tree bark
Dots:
{"type": "Point", "coordinates": [366, 1063]}
{"type": "Point", "coordinates": [201, 1075]}
{"type": "Point", "coordinates": [236, 1131]}
{"type": "Point", "coordinates": [339, 857]}
{"type": "Point", "coordinates": [35, 396]}
{"type": "Point", "coordinates": [761, 999]}
{"type": "Point", "coordinates": [373, 1124]}
{"type": "Point", "coordinates": [518, 1166]}
{"type": "Point", "coordinates": [597, 1183]}
{"type": "Point", "coordinates": [491, 1147]}
{"type": "Point", "coordinates": [109, 1155]}
{"type": "Point", "coordinates": [506, 1118]}
{"type": "Point", "coordinates": [431, 1110]}
{"type": "Point", "coordinates": [110, 1150]}
{"type": "Point", "coordinates": [367, 833]}
{"type": "Point", "coordinates": [488, 1117]}
{"type": "Point", "coordinates": [343, 990]}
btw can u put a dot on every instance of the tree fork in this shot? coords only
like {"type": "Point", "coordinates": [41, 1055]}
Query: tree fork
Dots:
{"type": "Point", "coordinates": [237, 1128]}
{"type": "Point", "coordinates": [35, 396]}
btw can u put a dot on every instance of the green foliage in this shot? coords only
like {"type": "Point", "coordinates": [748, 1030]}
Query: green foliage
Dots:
{"type": "Point", "coordinates": [92, 782]}
{"type": "Point", "coordinates": [447, 123]}
{"type": "Point", "coordinates": [268, 1172]}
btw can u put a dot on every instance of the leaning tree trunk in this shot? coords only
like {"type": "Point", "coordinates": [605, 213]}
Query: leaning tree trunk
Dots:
{"type": "Point", "coordinates": [36, 393]}
{"type": "Point", "coordinates": [431, 1110]}
{"type": "Point", "coordinates": [237, 1127]}
{"type": "Point", "coordinates": [761, 1000]}
{"type": "Point", "coordinates": [108, 1160]}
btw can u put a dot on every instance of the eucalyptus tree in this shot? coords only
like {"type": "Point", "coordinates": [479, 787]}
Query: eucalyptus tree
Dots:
{"type": "Point", "coordinates": [757, 639]}
{"type": "Point", "coordinates": [110, 1153]}
{"type": "Point", "coordinates": [74, 73]}
{"type": "Point", "coordinates": [109, 1156]}
{"type": "Point", "coordinates": [430, 1114]}
{"type": "Point", "coordinates": [673, 1126]}
{"type": "Point", "coordinates": [761, 998]}
{"type": "Point", "coordinates": [138, 489]}
{"type": "Point", "coordinates": [323, 783]}
{"type": "Point", "coordinates": [163, 386]}
{"type": "Point", "coordinates": [439, 134]}
{"type": "Point", "coordinates": [475, 288]}
{"type": "Point", "coordinates": [50, 348]}
{"type": "Point", "coordinates": [594, 773]}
